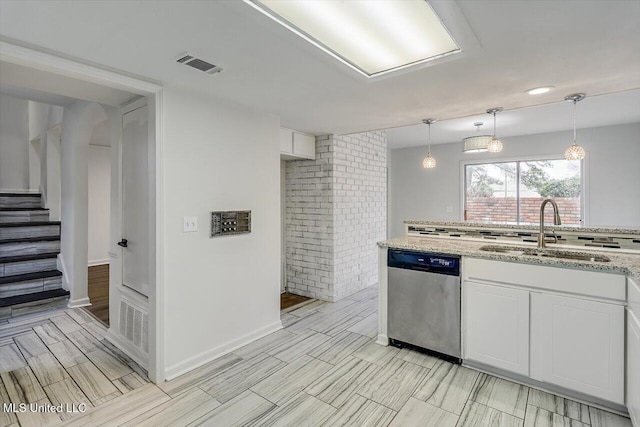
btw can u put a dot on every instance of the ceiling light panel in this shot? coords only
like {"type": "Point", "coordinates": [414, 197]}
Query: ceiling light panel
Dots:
{"type": "Point", "coordinates": [371, 36]}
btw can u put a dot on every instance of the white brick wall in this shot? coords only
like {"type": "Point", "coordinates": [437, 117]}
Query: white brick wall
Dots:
{"type": "Point", "coordinates": [360, 209]}
{"type": "Point", "coordinates": [335, 214]}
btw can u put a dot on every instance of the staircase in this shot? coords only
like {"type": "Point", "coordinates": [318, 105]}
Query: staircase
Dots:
{"type": "Point", "coordinates": [29, 246]}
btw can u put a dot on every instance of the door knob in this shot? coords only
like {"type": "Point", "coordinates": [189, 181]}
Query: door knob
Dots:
{"type": "Point", "coordinates": [123, 243]}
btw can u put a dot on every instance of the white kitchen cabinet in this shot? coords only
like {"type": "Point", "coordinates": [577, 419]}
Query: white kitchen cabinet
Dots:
{"type": "Point", "coordinates": [286, 141]}
{"type": "Point", "coordinates": [496, 326]}
{"type": "Point", "coordinates": [296, 145]}
{"type": "Point", "coordinates": [633, 351]}
{"type": "Point", "coordinates": [578, 344]}
{"type": "Point", "coordinates": [633, 368]}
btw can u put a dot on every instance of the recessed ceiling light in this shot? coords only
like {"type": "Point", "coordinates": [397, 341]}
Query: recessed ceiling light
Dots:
{"type": "Point", "coordinates": [539, 90]}
{"type": "Point", "coordinates": [371, 36]}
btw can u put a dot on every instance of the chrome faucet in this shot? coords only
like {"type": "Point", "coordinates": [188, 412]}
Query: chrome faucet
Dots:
{"type": "Point", "coordinates": [556, 220]}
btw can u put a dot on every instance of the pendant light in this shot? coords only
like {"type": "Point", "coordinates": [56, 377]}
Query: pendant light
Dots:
{"type": "Point", "coordinates": [429, 162]}
{"type": "Point", "coordinates": [574, 152]}
{"type": "Point", "coordinates": [495, 145]}
{"type": "Point", "coordinates": [476, 143]}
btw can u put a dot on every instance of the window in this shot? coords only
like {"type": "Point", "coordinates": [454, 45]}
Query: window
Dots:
{"type": "Point", "coordinates": [511, 192]}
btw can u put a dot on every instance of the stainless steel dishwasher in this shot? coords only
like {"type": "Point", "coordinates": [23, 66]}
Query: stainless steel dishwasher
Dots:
{"type": "Point", "coordinates": [424, 302]}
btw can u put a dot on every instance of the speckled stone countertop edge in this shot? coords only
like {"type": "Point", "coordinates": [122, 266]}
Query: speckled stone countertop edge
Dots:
{"type": "Point", "coordinates": [599, 230]}
{"type": "Point", "coordinates": [623, 263]}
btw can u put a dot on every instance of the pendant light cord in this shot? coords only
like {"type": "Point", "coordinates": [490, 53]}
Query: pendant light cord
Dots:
{"type": "Point", "coordinates": [429, 151]}
{"type": "Point", "coordinates": [574, 121]}
{"type": "Point", "coordinates": [494, 124]}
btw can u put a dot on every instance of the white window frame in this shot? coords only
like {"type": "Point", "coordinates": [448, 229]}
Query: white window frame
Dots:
{"type": "Point", "coordinates": [583, 179]}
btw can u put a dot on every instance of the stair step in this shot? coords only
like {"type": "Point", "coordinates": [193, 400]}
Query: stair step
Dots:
{"type": "Point", "coordinates": [29, 283]}
{"type": "Point", "coordinates": [21, 230]}
{"type": "Point", "coordinates": [30, 276]}
{"type": "Point", "coordinates": [29, 246]}
{"type": "Point", "coordinates": [22, 209]}
{"type": "Point", "coordinates": [31, 303]}
{"type": "Point", "coordinates": [20, 258]}
{"type": "Point", "coordinates": [22, 224]}
{"type": "Point", "coordinates": [13, 215]}
{"type": "Point", "coordinates": [20, 200]}
{"type": "Point", "coordinates": [14, 265]}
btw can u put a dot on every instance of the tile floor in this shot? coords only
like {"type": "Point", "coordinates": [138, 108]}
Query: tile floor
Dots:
{"type": "Point", "coordinates": [322, 369]}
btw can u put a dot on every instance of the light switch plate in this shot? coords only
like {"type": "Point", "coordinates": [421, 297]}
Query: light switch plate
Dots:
{"type": "Point", "coordinates": [190, 224]}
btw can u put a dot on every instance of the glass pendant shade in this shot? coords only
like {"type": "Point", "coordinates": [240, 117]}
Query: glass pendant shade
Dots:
{"type": "Point", "coordinates": [495, 145]}
{"type": "Point", "coordinates": [574, 152]}
{"type": "Point", "coordinates": [429, 162]}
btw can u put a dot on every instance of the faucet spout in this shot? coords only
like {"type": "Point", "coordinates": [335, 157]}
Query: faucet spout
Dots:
{"type": "Point", "coordinates": [556, 220]}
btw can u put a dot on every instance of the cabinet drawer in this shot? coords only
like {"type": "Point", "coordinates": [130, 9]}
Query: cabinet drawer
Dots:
{"type": "Point", "coordinates": [588, 283]}
{"type": "Point", "coordinates": [633, 296]}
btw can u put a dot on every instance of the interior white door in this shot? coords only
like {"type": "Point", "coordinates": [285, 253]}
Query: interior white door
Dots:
{"type": "Point", "coordinates": [135, 201]}
{"type": "Point", "coordinates": [578, 344]}
{"type": "Point", "coordinates": [496, 326]}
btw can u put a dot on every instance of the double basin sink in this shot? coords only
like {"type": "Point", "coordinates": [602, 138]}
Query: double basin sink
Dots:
{"type": "Point", "coordinates": [546, 253]}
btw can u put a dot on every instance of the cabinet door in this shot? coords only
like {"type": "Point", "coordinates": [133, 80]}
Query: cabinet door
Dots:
{"type": "Point", "coordinates": [286, 141]}
{"type": "Point", "coordinates": [578, 344]}
{"type": "Point", "coordinates": [496, 326]}
{"type": "Point", "coordinates": [633, 368]}
{"type": "Point", "coordinates": [304, 145]}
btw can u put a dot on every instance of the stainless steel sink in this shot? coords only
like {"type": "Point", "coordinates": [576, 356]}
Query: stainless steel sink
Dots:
{"type": "Point", "coordinates": [546, 253]}
{"type": "Point", "coordinates": [581, 256]}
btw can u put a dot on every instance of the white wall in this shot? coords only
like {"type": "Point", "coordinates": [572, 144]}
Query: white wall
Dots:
{"type": "Point", "coordinates": [14, 143]}
{"type": "Point", "coordinates": [77, 128]}
{"type": "Point", "coordinates": [99, 203]}
{"type": "Point", "coordinates": [612, 188]}
{"type": "Point", "coordinates": [219, 292]}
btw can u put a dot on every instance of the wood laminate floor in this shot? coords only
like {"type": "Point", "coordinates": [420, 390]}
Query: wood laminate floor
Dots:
{"type": "Point", "coordinates": [99, 292]}
{"type": "Point", "coordinates": [288, 300]}
{"type": "Point", "coordinates": [322, 369]}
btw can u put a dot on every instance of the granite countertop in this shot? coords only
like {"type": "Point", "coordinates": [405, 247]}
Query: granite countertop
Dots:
{"type": "Point", "coordinates": [624, 263]}
{"type": "Point", "coordinates": [548, 227]}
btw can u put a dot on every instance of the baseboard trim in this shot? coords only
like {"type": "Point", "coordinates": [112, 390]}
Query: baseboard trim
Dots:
{"type": "Point", "coordinates": [139, 357]}
{"type": "Point", "coordinates": [382, 340]}
{"type": "Point", "coordinates": [549, 388]}
{"type": "Point", "coordinates": [98, 262]}
{"type": "Point", "coordinates": [82, 302]}
{"type": "Point", "coordinates": [198, 360]}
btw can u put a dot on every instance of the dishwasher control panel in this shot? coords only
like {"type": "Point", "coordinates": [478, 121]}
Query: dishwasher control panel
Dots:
{"type": "Point", "coordinates": [426, 262]}
{"type": "Point", "coordinates": [225, 223]}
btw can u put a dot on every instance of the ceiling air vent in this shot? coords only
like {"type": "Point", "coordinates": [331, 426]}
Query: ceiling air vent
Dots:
{"type": "Point", "coordinates": [199, 64]}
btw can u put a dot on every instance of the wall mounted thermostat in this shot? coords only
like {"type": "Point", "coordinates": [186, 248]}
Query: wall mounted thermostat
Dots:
{"type": "Point", "coordinates": [226, 223]}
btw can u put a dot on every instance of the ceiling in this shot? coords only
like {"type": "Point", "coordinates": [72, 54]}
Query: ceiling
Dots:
{"type": "Point", "coordinates": [43, 86]}
{"type": "Point", "coordinates": [589, 46]}
{"type": "Point", "coordinates": [593, 111]}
